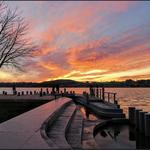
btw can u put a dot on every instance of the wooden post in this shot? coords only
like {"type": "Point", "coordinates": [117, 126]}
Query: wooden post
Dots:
{"type": "Point", "coordinates": [137, 111]}
{"type": "Point", "coordinates": [108, 97]}
{"type": "Point", "coordinates": [147, 124]}
{"type": "Point", "coordinates": [131, 114]}
{"type": "Point", "coordinates": [100, 93]}
{"type": "Point", "coordinates": [97, 92]}
{"type": "Point", "coordinates": [103, 94]}
{"type": "Point", "coordinates": [114, 97]}
{"type": "Point", "coordinates": [65, 90]}
{"type": "Point", "coordinates": [87, 98]}
{"type": "Point", "coordinates": [142, 122]}
{"type": "Point", "coordinates": [94, 92]}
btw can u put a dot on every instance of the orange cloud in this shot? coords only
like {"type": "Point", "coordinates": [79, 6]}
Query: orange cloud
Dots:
{"type": "Point", "coordinates": [76, 46]}
{"type": "Point", "coordinates": [116, 59]}
{"type": "Point", "coordinates": [77, 21]}
{"type": "Point", "coordinates": [53, 69]}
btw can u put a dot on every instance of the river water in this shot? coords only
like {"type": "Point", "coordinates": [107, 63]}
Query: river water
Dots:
{"type": "Point", "coordinates": [137, 97]}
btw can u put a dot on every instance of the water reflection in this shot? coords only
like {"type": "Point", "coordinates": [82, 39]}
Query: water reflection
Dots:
{"type": "Point", "coordinates": [121, 136]}
{"type": "Point", "coordinates": [86, 113]}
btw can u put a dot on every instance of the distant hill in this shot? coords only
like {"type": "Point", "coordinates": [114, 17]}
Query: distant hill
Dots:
{"type": "Point", "coordinates": [64, 83]}
{"type": "Point", "coordinates": [72, 83]}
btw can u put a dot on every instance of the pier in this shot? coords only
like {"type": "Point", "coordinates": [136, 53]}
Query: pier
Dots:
{"type": "Point", "coordinates": [59, 123]}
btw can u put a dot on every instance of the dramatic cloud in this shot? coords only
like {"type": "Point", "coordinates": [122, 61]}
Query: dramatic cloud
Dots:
{"type": "Point", "coordinates": [86, 40]}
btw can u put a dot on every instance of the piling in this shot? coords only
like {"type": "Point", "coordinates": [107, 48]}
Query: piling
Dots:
{"type": "Point", "coordinates": [147, 124]}
{"type": "Point", "coordinates": [100, 94]}
{"type": "Point", "coordinates": [97, 93]}
{"type": "Point", "coordinates": [131, 114]}
{"type": "Point", "coordinates": [22, 93]}
{"type": "Point", "coordinates": [108, 97]}
{"type": "Point", "coordinates": [114, 97]}
{"type": "Point", "coordinates": [142, 121]}
{"type": "Point", "coordinates": [44, 93]}
{"type": "Point", "coordinates": [116, 102]}
{"type": "Point", "coordinates": [137, 111]}
{"type": "Point", "coordinates": [132, 136]}
{"type": "Point", "coordinates": [87, 98]}
{"type": "Point", "coordinates": [47, 91]}
{"type": "Point", "coordinates": [94, 94]}
{"type": "Point", "coordinates": [65, 90]}
{"type": "Point", "coordinates": [74, 93]}
{"type": "Point", "coordinates": [103, 94]}
{"type": "Point", "coordinates": [18, 94]}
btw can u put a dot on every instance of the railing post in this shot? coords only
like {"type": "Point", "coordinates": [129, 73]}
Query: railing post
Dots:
{"type": "Point", "coordinates": [100, 93]}
{"type": "Point", "coordinates": [94, 91]}
{"type": "Point", "coordinates": [103, 94]}
{"type": "Point", "coordinates": [87, 98]}
{"type": "Point", "coordinates": [65, 90]}
{"type": "Point", "coordinates": [108, 97]}
{"type": "Point", "coordinates": [114, 97]}
{"type": "Point", "coordinates": [97, 92]}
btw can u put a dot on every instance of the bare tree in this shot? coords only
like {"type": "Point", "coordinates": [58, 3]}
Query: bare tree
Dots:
{"type": "Point", "coordinates": [14, 44]}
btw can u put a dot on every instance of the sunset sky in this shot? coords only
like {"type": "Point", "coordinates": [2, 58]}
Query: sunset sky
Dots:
{"type": "Point", "coordinates": [85, 41]}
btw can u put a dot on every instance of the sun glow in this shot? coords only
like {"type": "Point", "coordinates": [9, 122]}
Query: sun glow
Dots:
{"type": "Point", "coordinates": [90, 43]}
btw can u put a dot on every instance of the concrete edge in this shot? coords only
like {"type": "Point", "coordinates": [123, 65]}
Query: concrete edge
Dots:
{"type": "Point", "coordinates": [101, 113]}
{"type": "Point", "coordinates": [49, 122]}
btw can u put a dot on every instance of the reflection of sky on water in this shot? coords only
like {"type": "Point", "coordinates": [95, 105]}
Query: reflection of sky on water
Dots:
{"type": "Point", "coordinates": [86, 113]}
{"type": "Point", "coordinates": [136, 97]}
{"type": "Point", "coordinates": [116, 138]}
{"type": "Point", "coordinates": [120, 137]}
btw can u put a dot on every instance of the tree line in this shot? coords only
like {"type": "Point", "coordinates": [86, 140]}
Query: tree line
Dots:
{"type": "Point", "coordinates": [71, 83]}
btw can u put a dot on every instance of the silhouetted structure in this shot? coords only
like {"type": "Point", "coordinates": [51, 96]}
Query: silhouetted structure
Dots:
{"type": "Point", "coordinates": [14, 90]}
{"type": "Point", "coordinates": [71, 83]}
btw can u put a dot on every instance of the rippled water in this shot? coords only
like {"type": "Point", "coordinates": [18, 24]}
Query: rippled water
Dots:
{"type": "Point", "coordinates": [137, 97]}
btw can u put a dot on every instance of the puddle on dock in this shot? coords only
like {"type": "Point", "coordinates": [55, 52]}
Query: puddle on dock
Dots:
{"type": "Point", "coordinates": [121, 136]}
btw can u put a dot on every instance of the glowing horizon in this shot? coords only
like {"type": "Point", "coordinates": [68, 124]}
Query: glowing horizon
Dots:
{"type": "Point", "coordinates": [85, 41]}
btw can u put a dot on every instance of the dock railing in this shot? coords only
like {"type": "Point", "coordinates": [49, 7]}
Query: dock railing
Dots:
{"type": "Point", "coordinates": [99, 93]}
{"type": "Point", "coordinates": [110, 97]}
